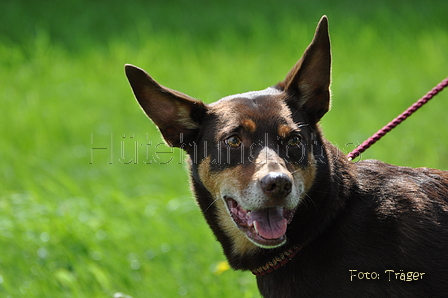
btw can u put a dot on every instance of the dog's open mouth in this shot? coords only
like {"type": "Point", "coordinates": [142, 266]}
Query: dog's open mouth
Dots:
{"type": "Point", "coordinates": [265, 227]}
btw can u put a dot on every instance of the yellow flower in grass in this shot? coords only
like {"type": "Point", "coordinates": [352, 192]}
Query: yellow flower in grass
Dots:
{"type": "Point", "coordinates": [221, 267]}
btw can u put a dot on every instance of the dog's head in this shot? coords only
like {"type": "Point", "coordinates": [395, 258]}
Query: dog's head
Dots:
{"type": "Point", "coordinates": [252, 155]}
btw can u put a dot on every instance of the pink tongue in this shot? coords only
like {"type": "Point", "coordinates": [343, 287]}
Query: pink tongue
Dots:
{"type": "Point", "coordinates": [269, 223]}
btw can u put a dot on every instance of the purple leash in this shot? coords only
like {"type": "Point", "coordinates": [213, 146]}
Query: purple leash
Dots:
{"type": "Point", "coordinates": [380, 133]}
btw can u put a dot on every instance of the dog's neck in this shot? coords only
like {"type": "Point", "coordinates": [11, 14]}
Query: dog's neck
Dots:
{"type": "Point", "coordinates": [277, 262]}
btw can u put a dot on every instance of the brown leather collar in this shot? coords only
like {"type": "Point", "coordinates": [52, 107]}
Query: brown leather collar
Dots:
{"type": "Point", "coordinates": [278, 261]}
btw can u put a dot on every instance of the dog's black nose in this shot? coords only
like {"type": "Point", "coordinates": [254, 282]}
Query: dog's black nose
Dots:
{"type": "Point", "coordinates": [277, 185]}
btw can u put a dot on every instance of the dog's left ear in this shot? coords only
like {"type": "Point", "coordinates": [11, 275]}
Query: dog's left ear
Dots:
{"type": "Point", "coordinates": [308, 82]}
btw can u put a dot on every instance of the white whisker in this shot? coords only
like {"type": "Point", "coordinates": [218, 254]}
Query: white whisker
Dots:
{"type": "Point", "coordinates": [211, 204]}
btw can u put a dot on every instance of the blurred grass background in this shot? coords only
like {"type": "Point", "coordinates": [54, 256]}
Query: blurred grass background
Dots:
{"type": "Point", "coordinates": [83, 222]}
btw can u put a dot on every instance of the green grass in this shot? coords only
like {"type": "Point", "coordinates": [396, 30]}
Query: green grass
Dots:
{"type": "Point", "coordinates": [72, 228]}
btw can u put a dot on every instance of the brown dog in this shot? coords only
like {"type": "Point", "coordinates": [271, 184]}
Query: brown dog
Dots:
{"type": "Point", "coordinates": [288, 205]}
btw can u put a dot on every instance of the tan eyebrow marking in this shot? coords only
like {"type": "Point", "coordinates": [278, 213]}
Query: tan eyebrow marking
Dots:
{"type": "Point", "coordinates": [284, 130]}
{"type": "Point", "coordinates": [249, 125]}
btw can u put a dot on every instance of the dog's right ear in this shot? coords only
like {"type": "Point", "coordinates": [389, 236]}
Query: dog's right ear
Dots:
{"type": "Point", "coordinates": [177, 115]}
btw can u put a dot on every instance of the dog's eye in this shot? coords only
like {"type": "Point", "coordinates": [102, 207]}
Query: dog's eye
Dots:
{"type": "Point", "coordinates": [233, 141]}
{"type": "Point", "coordinates": [294, 141]}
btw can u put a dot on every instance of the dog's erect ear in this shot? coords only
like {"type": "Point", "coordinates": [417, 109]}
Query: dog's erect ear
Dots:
{"type": "Point", "coordinates": [177, 115]}
{"type": "Point", "coordinates": [309, 80]}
